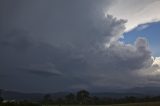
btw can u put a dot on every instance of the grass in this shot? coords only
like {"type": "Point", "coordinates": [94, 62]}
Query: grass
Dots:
{"type": "Point", "coordinates": [138, 104]}
{"type": "Point", "coordinates": [128, 104]}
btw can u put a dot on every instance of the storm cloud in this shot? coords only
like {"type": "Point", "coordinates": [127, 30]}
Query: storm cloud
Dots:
{"type": "Point", "coordinates": [72, 43]}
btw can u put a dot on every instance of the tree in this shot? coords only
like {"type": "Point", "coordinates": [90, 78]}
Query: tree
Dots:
{"type": "Point", "coordinates": [60, 101]}
{"type": "Point", "coordinates": [95, 100]}
{"type": "Point", "coordinates": [83, 96]}
{"type": "Point", "coordinates": [70, 98]}
{"type": "Point", "coordinates": [1, 99]}
{"type": "Point", "coordinates": [47, 99]}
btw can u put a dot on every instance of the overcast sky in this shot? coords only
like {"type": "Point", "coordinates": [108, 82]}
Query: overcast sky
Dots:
{"type": "Point", "coordinates": [61, 45]}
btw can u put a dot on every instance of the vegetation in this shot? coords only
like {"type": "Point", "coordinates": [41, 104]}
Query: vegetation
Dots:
{"type": "Point", "coordinates": [83, 97]}
{"type": "Point", "coordinates": [1, 99]}
{"type": "Point", "coordinates": [22, 103]}
{"type": "Point", "coordinates": [138, 104]}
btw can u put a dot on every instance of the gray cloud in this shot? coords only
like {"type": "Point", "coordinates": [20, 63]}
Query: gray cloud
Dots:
{"type": "Point", "coordinates": [42, 73]}
{"type": "Point", "coordinates": [65, 42]}
{"type": "Point", "coordinates": [17, 39]}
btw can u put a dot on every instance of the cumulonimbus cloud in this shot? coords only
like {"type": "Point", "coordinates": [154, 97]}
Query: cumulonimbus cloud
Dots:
{"type": "Point", "coordinates": [72, 38]}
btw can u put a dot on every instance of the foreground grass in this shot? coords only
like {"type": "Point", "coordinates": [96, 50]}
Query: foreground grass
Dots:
{"type": "Point", "coordinates": [128, 104]}
{"type": "Point", "coordinates": [138, 104]}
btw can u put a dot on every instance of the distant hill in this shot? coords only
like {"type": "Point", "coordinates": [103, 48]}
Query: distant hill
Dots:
{"type": "Point", "coordinates": [137, 92]}
{"type": "Point", "coordinates": [149, 90]}
{"type": "Point", "coordinates": [116, 95]}
{"type": "Point", "coordinates": [10, 95]}
{"type": "Point", "coordinates": [14, 95]}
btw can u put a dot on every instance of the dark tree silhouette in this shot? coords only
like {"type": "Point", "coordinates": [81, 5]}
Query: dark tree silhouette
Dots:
{"type": "Point", "coordinates": [1, 99]}
{"type": "Point", "coordinates": [83, 96]}
{"type": "Point", "coordinates": [47, 99]}
{"type": "Point", "coordinates": [60, 101]}
{"type": "Point", "coordinates": [70, 98]}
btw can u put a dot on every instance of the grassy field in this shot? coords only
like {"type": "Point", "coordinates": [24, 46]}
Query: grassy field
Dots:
{"type": "Point", "coordinates": [129, 104]}
{"type": "Point", "coordinates": [138, 104]}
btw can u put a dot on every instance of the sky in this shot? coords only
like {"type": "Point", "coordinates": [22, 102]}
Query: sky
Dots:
{"type": "Point", "coordinates": [149, 31]}
{"type": "Point", "coordinates": [66, 45]}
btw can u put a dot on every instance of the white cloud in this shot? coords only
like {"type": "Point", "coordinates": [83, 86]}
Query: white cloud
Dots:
{"type": "Point", "coordinates": [137, 12]}
{"type": "Point", "coordinates": [151, 73]}
{"type": "Point", "coordinates": [156, 61]}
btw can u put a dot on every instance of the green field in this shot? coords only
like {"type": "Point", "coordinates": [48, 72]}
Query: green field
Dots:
{"type": "Point", "coordinates": [129, 104]}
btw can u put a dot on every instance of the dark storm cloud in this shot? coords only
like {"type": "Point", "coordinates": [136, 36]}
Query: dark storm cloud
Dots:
{"type": "Point", "coordinates": [42, 73]}
{"type": "Point", "coordinates": [17, 39]}
{"type": "Point", "coordinates": [69, 42]}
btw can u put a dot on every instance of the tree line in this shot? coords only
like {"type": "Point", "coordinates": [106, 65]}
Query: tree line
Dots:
{"type": "Point", "coordinates": [82, 97]}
